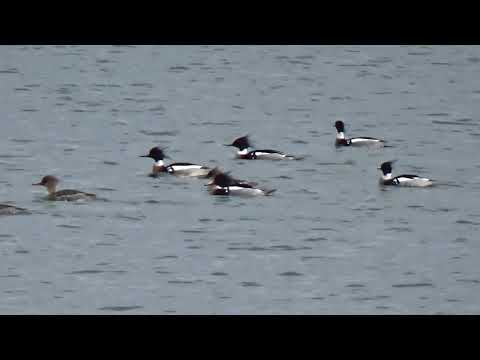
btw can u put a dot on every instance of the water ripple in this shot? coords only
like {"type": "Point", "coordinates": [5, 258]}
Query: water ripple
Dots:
{"type": "Point", "coordinates": [159, 133]}
{"type": "Point", "coordinates": [82, 272]}
{"type": "Point", "coordinates": [178, 69]}
{"type": "Point", "coordinates": [120, 308]}
{"type": "Point", "coordinates": [460, 122]}
{"type": "Point", "coordinates": [412, 285]}
{"type": "Point", "coordinates": [290, 273]}
{"type": "Point", "coordinates": [219, 273]}
{"type": "Point", "coordinates": [471, 281]}
{"type": "Point", "coordinates": [9, 71]}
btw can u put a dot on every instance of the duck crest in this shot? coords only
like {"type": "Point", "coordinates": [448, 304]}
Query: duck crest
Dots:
{"type": "Point", "coordinates": [241, 143]}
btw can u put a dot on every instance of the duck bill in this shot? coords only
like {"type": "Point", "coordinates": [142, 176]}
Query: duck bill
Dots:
{"type": "Point", "coordinates": [144, 156]}
{"type": "Point", "coordinates": [37, 183]}
{"type": "Point", "coordinates": [227, 144]}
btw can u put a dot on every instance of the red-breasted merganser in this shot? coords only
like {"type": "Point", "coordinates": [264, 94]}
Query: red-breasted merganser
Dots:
{"type": "Point", "coordinates": [12, 210]}
{"type": "Point", "coordinates": [224, 184]}
{"type": "Point", "coordinates": [179, 169]}
{"type": "Point", "coordinates": [216, 171]}
{"type": "Point", "coordinates": [244, 152]}
{"type": "Point", "coordinates": [401, 180]}
{"type": "Point", "coordinates": [341, 140]}
{"type": "Point", "coordinates": [50, 182]}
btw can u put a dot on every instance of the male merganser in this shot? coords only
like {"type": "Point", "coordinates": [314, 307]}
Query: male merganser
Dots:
{"type": "Point", "coordinates": [12, 210]}
{"type": "Point", "coordinates": [179, 169]}
{"type": "Point", "coordinates": [50, 182]}
{"type": "Point", "coordinates": [243, 146]}
{"type": "Point", "coordinates": [341, 140]}
{"type": "Point", "coordinates": [223, 184]}
{"type": "Point", "coordinates": [401, 180]}
{"type": "Point", "coordinates": [216, 171]}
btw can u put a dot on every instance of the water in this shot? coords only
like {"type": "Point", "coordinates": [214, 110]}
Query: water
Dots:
{"type": "Point", "coordinates": [328, 241]}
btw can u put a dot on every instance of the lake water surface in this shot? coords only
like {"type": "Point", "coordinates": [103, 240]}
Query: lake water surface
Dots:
{"type": "Point", "coordinates": [330, 240]}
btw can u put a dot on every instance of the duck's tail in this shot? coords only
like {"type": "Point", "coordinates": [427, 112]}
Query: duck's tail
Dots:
{"type": "Point", "coordinates": [293, 157]}
{"type": "Point", "coordinates": [269, 192]}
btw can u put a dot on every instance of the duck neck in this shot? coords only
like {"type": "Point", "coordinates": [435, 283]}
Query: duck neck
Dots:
{"type": "Point", "coordinates": [242, 151]}
{"type": "Point", "coordinates": [158, 167]}
{"type": "Point", "coordinates": [51, 188]}
{"type": "Point", "coordinates": [340, 135]}
{"type": "Point", "coordinates": [386, 176]}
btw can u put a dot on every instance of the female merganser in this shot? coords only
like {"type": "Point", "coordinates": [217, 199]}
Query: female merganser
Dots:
{"type": "Point", "coordinates": [50, 182]}
{"type": "Point", "coordinates": [401, 180]}
{"type": "Point", "coordinates": [223, 184]}
{"type": "Point", "coordinates": [12, 210]}
{"type": "Point", "coordinates": [179, 169]}
{"type": "Point", "coordinates": [341, 140]}
{"type": "Point", "coordinates": [243, 145]}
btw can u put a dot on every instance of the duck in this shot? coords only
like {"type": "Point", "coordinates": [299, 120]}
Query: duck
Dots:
{"type": "Point", "coordinates": [225, 185]}
{"type": "Point", "coordinates": [341, 140]}
{"type": "Point", "coordinates": [50, 182]}
{"type": "Point", "coordinates": [12, 210]}
{"type": "Point", "coordinates": [386, 177]}
{"type": "Point", "coordinates": [216, 171]}
{"type": "Point", "coordinates": [245, 152]}
{"type": "Point", "coordinates": [183, 169]}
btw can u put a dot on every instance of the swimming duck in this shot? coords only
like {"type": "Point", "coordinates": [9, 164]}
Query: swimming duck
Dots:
{"type": "Point", "coordinates": [224, 184]}
{"type": "Point", "coordinates": [244, 151]}
{"type": "Point", "coordinates": [341, 140]}
{"type": "Point", "coordinates": [179, 169]}
{"type": "Point", "coordinates": [12, 210]}
{"type": "Point", "coordinates": [50, 182]}
{"type": "Point", "coordinates": [401, 180]}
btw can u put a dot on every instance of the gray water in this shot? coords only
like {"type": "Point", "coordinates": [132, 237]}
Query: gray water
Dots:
{"type": "Point", "coordinates": [330, 240]}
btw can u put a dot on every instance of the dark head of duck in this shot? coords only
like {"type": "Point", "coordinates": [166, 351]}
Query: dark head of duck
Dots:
{"type": "Point", "coordinates": [340, 126]}
{"type": "Point", "coordinates": [157, 155]}
{"type": "Point", "coordinates": [241, 143]}
{"type": "Point", "coordinates": [386, 167]}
